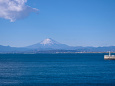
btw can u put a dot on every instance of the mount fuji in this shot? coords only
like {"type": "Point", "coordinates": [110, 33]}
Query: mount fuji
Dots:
{"type": "Point", "coordinates": [51, 46]}
{"type": "Point", "coordinates": [48, 44]}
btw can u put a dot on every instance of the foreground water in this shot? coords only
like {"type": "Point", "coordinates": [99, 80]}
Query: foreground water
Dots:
{"type": "Point", "coordinates": [56, 69]}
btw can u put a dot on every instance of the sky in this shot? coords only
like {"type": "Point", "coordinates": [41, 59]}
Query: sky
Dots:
{"type": "Point", "coordinates": [71, 22]}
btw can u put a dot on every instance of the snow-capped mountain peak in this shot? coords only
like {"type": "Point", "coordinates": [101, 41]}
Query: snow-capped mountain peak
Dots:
{"type": "Point", "coordinates": [48, 41]}
{"type": "Point", "coordinates": [48, 44]}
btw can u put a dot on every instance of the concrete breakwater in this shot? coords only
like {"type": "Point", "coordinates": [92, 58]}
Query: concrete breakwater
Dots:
{"type": "Point", "coordinates": [109, 57]}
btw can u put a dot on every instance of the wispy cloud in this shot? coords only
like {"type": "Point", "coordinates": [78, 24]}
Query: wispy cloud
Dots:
{"type": "Point", "coordinates": [15, 9]}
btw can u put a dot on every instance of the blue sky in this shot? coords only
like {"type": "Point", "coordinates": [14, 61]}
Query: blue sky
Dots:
{"type": "Point", "coordinates": [71, 22]}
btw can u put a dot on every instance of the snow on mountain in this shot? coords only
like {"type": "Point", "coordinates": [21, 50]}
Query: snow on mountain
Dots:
{"type": "Point", "coordinates": [48, 41]}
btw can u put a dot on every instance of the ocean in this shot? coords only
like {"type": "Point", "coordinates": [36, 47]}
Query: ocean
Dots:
{"type": "Point", "coordinates": [56, 70]}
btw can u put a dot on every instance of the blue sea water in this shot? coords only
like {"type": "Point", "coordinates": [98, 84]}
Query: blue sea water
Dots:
{"type": "Point", "coordinates": [56, 70]}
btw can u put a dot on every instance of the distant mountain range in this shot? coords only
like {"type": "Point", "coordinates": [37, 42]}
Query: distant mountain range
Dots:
{"type": "Point", "coordinates": [51, 46]}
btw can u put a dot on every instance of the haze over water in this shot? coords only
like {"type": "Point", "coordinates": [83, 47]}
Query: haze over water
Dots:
{"type": "Point", "coordinates": [56, 69]}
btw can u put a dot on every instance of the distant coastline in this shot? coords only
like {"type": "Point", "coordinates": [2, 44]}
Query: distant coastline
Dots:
{"type": "Point", "coordinates": [60, 53]}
